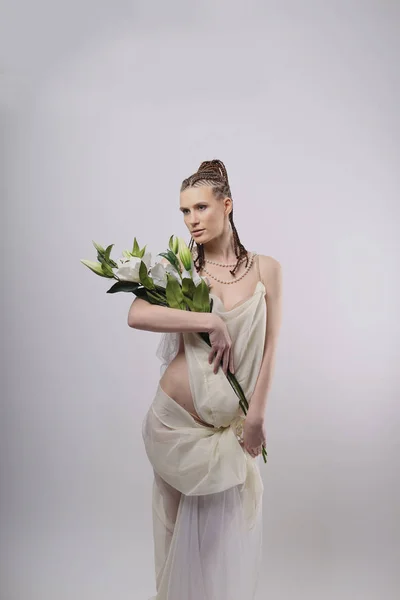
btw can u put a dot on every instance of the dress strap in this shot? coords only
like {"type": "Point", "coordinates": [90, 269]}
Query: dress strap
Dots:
{"type": "Point", "coordinates": [257, 265]}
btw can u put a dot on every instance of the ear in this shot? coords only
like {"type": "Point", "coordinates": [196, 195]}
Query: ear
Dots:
{"type": "Point", "coordinates": [228, 205]}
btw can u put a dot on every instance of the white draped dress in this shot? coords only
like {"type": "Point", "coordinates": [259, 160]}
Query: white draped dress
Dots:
{"type": "Point", "coordinates": [207, 490]}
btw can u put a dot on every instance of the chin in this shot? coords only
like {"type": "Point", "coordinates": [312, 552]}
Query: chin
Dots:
{"type": "Point", "coordinates": [200, 240]}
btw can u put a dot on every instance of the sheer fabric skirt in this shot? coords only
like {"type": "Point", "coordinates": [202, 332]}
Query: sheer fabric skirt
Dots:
{"type": "Point", "coordinates": [203, 546]}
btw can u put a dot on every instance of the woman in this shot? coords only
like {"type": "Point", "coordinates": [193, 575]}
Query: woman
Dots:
{"type": "Point", "coordinates": [207, 491]}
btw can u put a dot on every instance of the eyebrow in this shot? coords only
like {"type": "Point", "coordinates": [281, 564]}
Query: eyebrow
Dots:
{"type": "Point", "coordinates": [182, 208]}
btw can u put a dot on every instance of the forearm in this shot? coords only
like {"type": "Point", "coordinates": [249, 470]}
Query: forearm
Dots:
{"type": "Point", "coordinates": [152, 317]}
{"type": "Point", "coordinates": [273, 278]}
{"type": "Point", "coordinates": [258, 401]}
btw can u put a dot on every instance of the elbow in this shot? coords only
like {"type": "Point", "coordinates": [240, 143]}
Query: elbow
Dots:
{"type": "Point", "coordinates": [133, 320]}
{"type": "Point", "coordinates": [137, 314]}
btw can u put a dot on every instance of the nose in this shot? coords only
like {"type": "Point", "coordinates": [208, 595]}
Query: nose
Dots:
{"type": "Point", "coordinates": [193, 222]}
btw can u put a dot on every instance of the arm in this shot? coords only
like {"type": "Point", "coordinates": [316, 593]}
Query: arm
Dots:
{"type": "Point", "coordinates": [144, 315]}
{"type": "Point", "coordinates": [151, 317]}
{"type": "Point", "coordinates": [271, 273]}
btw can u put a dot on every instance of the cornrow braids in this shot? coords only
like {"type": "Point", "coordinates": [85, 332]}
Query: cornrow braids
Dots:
{"type": "Point", "coordinates": [213, 173]}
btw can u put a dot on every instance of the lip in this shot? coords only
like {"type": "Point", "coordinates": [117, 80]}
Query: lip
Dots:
{"type": "Point", "coordinates": [198, 232]}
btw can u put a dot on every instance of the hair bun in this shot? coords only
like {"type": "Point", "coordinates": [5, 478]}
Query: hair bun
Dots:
{"type": "Point", "coordinates": [215, 167]}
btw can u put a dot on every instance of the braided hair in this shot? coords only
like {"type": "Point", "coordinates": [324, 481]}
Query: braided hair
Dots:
{"type": "Point", "coordinates": [213, 173]}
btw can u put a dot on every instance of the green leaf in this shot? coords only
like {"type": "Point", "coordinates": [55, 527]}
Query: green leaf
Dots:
{"type": "Point", "coordinates": [124, 286]}
{"type": "Point", "coordinates": [171, 257]}
{"type": "Point", "coordinates": [155, 299]}
{"type": "Point", "coordinates": [188, 287]}
{"type": "Point", "coordinates": [141, 293]}
{"type": "Point", "coordinates": [144, 277]}
{"type": "Point", "coordinates": [201, 298]}
{"type": "Point", "coordinates": [107, 258]}
{"type": "Point", "coordinates": [135, 249]}
{"type": "Point", "coordinates": [174, 293]}
{"type": "Point", "coordinates": [106, 267]}
{"type": "Point", "coordinates": [189, 302]}
{"type": "Point", "coordinates": [108, 252]}
{"type": "Point", "coordinates": [104, 255]}
{"type": "Point", "coordinates": [99, 248]}
{"type": "Point", "coordinates": [142, 252]}
{"type": "Point", "coordinates": [101, 252]}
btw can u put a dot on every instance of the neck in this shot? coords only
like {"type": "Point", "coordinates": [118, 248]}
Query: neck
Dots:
{"type": "Point", "coordinates": [221, 248]}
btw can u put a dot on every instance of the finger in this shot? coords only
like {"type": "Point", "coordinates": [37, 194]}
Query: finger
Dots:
{"type": "Point", "coordinates": [217, 361]}
{"type": "Point", "coordinates": [211, 355]}
{"type": "Point", "coordinates": [225, 361]}
{"type": "Point", "coordinates": [250, 451]}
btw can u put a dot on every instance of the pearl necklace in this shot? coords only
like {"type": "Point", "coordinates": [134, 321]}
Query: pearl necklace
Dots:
{"type": "Point", "coordinates": [233, 280]}
{"type": "Point", "coordinates": [212, 262]}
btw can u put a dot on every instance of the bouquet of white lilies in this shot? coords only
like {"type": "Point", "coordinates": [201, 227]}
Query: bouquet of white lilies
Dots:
{"type": "Point", "coordinates": [172, 282]}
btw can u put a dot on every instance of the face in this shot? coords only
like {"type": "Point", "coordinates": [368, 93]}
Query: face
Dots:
{"type": "Point", "coordinates": [202, 211]}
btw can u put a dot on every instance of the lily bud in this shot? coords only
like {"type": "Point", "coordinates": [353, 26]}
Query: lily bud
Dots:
{"type": "Point", "coordinates": [99, 248]}
{"type": "Point", "coordinates": [95, 267]}
{"type": "Point", "coordinates": [174, 244]}
{"type": "Point", "coordinates": [184, 254]}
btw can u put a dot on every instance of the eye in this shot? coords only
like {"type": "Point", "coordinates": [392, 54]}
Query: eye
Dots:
{"type": "Point", "coordinates": [185, 210]}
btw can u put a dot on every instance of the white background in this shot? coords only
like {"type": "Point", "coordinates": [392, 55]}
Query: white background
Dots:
{"type": "Point", "coordinates": [105, 108]}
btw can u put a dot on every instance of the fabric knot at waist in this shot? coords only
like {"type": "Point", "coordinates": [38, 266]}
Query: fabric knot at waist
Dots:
{"type": "Point", "coordinates": [237, 426]}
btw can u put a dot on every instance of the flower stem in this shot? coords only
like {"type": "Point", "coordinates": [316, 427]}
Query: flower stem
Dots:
{"type": "Point", "coordinates": [244, 405]}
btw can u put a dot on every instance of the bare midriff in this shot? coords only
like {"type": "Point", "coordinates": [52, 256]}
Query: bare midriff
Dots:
{"type": "Point", "coordinates": [175, 383]}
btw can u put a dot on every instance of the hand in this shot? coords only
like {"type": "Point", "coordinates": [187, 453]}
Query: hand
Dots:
{"type": "Point", "coordinates": [253, 434]}
{"type": "Point", "coordinates": [221, 346]}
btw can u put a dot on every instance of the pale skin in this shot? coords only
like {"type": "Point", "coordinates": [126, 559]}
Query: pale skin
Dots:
{"type": "Point", "coordinates": [202, 210]}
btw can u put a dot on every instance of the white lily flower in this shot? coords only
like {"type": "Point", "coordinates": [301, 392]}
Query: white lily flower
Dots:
{"type": "Point", "coordinates": [159, 275]}
{"type": "Point", "coordinates": [172, 271]}
{"type": "Point", "coordinates": [128, 268]}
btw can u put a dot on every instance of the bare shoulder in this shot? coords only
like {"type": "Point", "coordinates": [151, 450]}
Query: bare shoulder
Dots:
{"type": "Point", "coordinates": [269, 266]}
{"type": "Point", "coordinates": [271, 273]}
